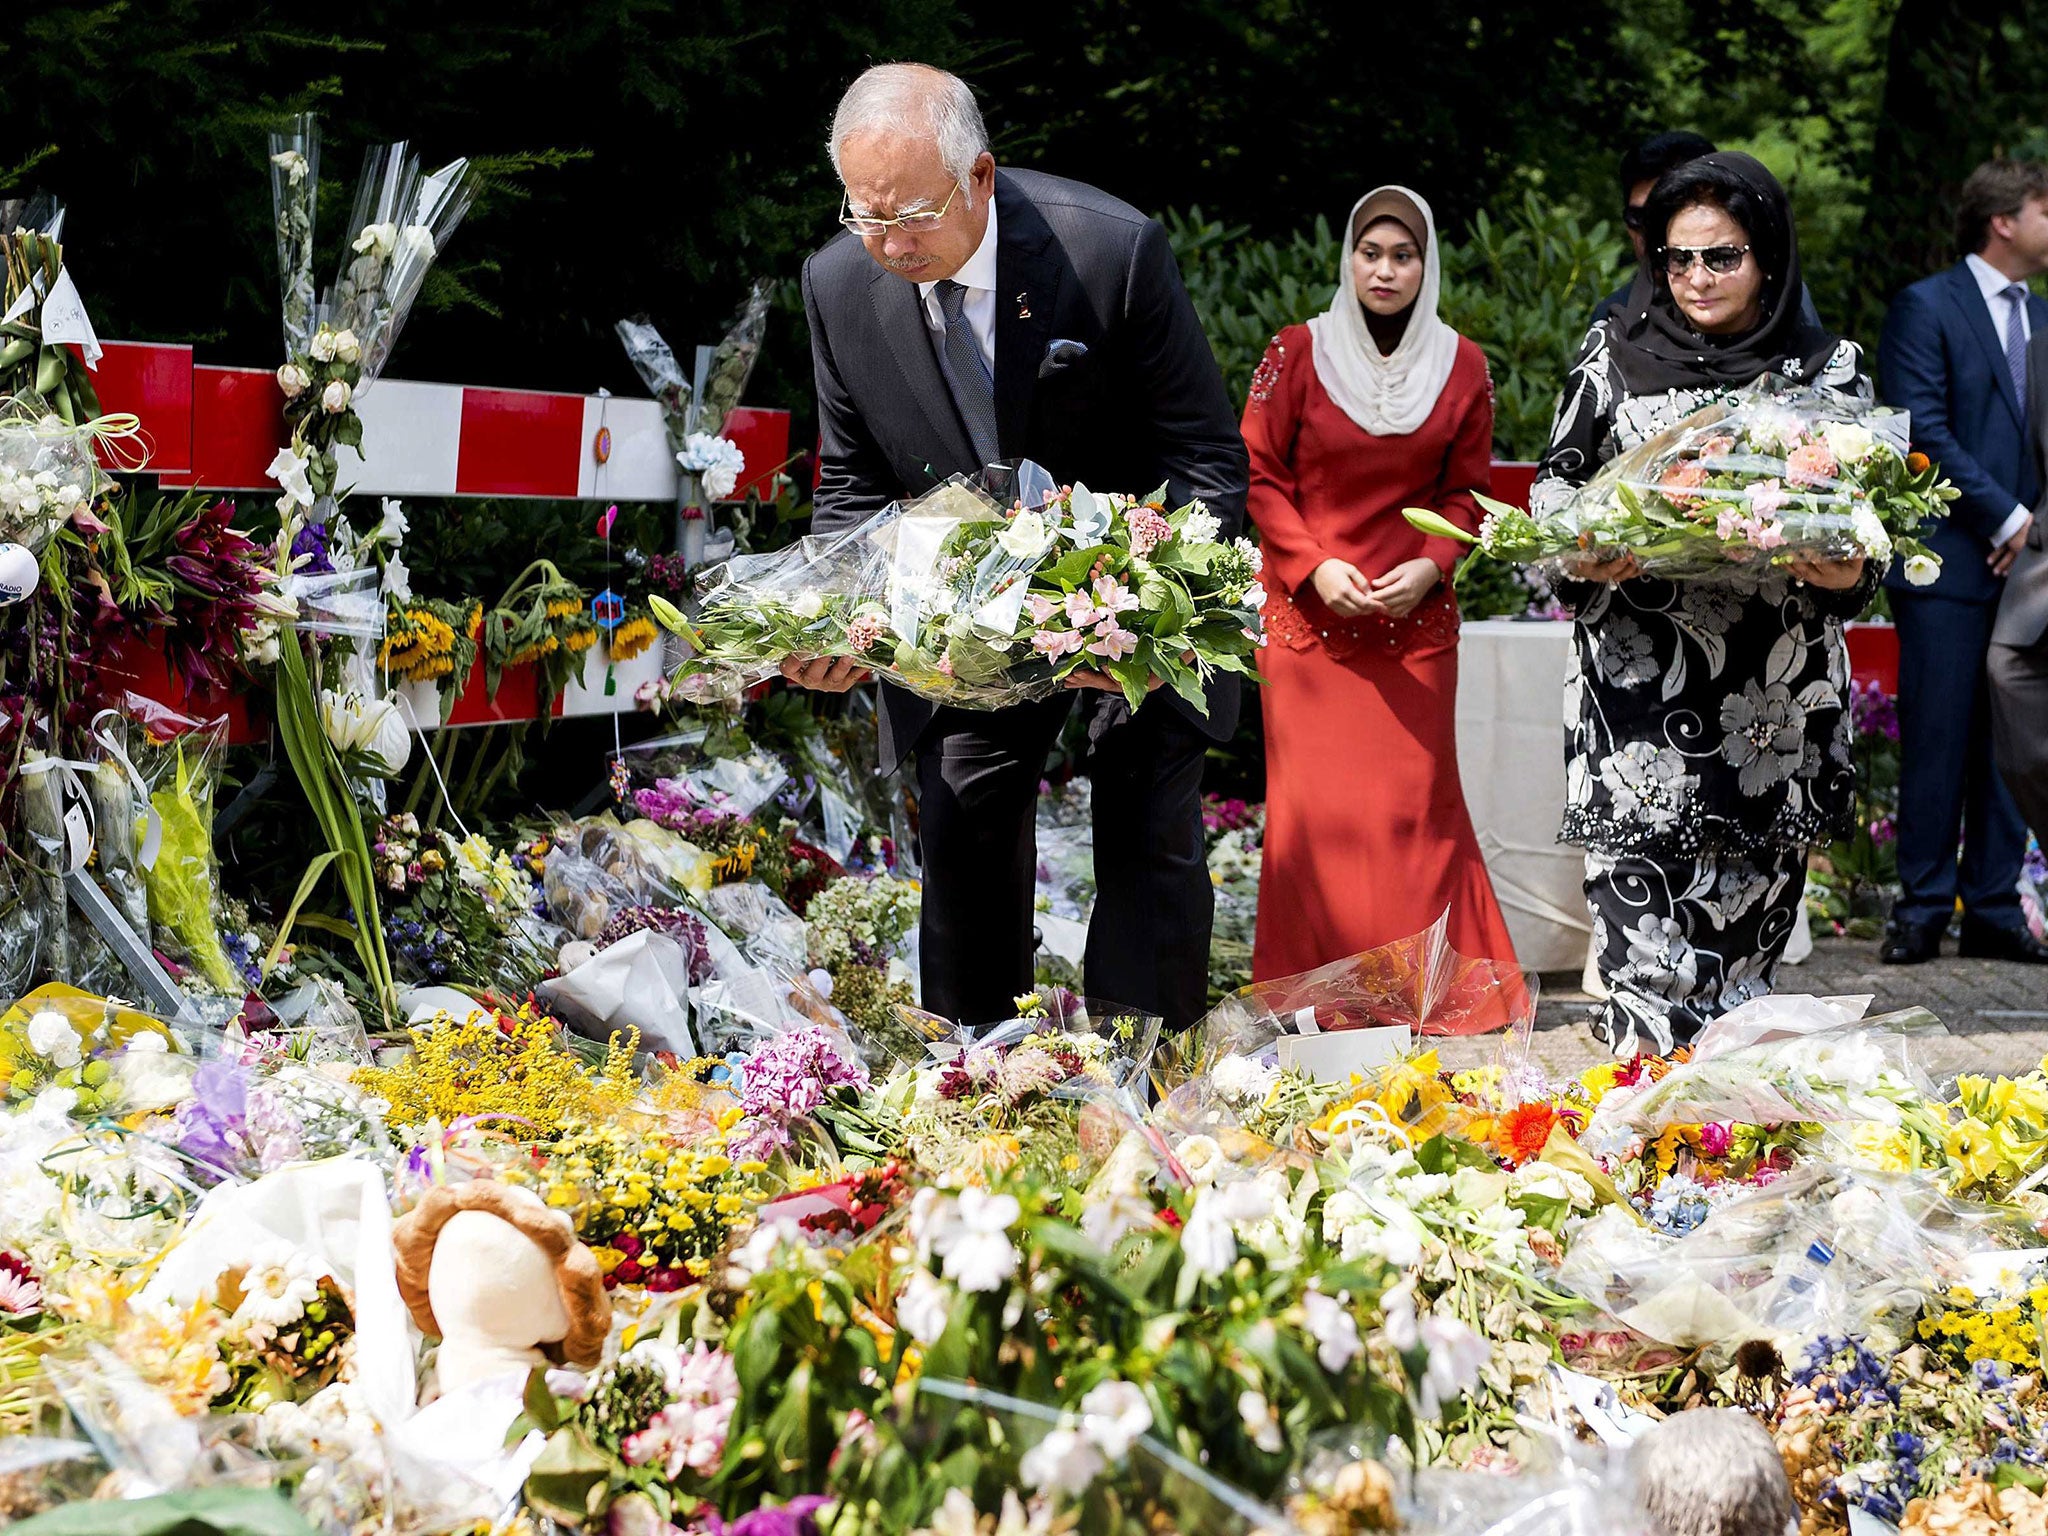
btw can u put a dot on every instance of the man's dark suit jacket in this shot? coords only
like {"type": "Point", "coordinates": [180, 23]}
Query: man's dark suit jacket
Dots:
{"type": "Point", "coordinates": [1137, 402]}
{"type": "Point", "coordinates": [1943, 360]}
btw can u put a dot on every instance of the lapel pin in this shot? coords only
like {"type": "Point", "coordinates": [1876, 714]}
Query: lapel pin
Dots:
{"type": "Point", "coordinates": [1023, 306]}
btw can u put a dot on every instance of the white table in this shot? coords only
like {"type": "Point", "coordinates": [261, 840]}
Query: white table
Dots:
{"type": "Point", "coordinates": [1511, 676]}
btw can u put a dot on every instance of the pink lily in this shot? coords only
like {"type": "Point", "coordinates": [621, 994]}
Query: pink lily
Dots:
{"type": "Point", "coordinates": [1114, 596]}
{"type": "Point", "coordinates": [1055, 643]}
{"type": "Point", "coordinates": [1081, 612]}
{"type": "Point", "coordinates": [1113, 641]}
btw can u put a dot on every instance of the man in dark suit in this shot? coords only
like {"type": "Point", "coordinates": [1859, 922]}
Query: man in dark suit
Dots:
{"type": "Point", "coordinates": [2018, 662]}
{"type": "Point", "coordinates": [1954, 354]}
{"type": "Point", "coordinates": [970, 316]}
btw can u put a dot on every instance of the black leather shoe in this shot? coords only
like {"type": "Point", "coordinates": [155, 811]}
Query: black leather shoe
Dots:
{"type": "Point", "coordinates": [1910, 944]}
{"type": "Point", "coordinates": [1988, 941]}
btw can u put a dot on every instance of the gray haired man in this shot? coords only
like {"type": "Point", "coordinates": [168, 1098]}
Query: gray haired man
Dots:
{"type": "Point", "coordinates": [968, 316]}
{"type": "Point", "coordinates": [2018, 658]}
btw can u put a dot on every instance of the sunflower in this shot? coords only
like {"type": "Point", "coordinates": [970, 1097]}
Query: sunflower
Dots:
{"type": "Point", "coordinates": [633, 637]}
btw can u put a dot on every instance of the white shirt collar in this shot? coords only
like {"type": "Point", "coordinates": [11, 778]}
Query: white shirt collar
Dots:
{"type": "Point", "coordinates": [1990, 281]}
{"type": "Point", "coordinates": [979, 272]}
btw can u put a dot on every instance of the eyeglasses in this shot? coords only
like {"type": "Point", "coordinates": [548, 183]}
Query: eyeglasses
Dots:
{"type": "Point", "coordinates": [909, 223]}
{"type": "Point", "coordinates": [1718, 259]}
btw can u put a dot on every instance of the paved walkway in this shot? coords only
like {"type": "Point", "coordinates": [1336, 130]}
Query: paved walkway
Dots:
{"type": "Point", "coordinates": [1996, 1014]}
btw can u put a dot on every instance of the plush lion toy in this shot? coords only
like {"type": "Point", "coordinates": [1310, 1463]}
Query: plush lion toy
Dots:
{"type": "Point", "coordinates": [500, 1279]}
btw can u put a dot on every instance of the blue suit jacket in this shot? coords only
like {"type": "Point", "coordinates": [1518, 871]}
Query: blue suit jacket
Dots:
{"type": "Point", "coordinates": [1943, 360]}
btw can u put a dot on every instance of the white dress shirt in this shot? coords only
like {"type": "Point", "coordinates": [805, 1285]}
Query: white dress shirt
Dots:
{"type": "Point", "coordinates": [1992, 283]}
{"type": "Point", "coordinates": [978, 277]}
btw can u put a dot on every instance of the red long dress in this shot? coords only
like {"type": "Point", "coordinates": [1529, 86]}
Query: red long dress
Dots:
{"type": "Point", "coordinates": [1367, 835]}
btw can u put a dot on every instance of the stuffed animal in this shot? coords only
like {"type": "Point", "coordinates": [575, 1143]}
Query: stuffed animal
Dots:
{"type": "Point", "coordinates": [500, 1279]}
{"type": "Point", "coordinates": [1713, 1472]}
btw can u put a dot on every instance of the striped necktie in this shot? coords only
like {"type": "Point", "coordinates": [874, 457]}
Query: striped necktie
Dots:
{"type": "Point", "coordinates": [2016, 340]}
{"type": "Point", "coordinates": [967, 375]}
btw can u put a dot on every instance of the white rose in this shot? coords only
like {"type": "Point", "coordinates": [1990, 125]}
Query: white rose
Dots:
{"type": "Point", "coordinates": [346, 348]}
{"type": "Point", "coordinates": [293, 380]}
{"type": "Point", "coordinates": [51, 1037]}
{"type": "Point", "coordinates": [808, 604]}
{"type": "Point", "coordinates": [418, 241]}
{"type": "Point", "coordinates": [335, 398]}
{"type": "Point", "coordinates": [323, 346]}
{"type": "Point", "coordinates": [1849, 443]}
{"type": "Point", "coordinates": [1922, 570]}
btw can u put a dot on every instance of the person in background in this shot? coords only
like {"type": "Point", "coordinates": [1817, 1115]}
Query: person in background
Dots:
{"type": "Point", "coordinates": [1954, 355]}
{"type": "Point", "coordinates": [2018, 659]}
{"type": "Point", "coordinates": [968, 315]}
{"type": "Point", "coordinates": [1373, 406]}
{"type": "Point", "coordinates": [1640, 169]}
{"type": "Point", "coordinates": [1708, 721]}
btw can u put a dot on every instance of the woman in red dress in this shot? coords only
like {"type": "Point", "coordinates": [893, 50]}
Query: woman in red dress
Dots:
{"type": "Point", "coordinates": [1373, 406]}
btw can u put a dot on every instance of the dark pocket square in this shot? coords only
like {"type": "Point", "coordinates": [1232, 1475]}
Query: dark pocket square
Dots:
{"type": "Point", "coordinates": [1061, 355]}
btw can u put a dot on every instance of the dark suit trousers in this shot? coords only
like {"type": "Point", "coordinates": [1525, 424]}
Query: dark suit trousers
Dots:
{"type": "Point", "coordinates": [978, 774]}
{"type": "Point", "coordinates": [1949, 786]}
{"type": "Point", "coordinates": [2019, 719]}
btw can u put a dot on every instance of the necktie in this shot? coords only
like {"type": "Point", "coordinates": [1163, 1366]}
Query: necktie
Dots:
{"type": "Point", "coordinates": [974, 390]}
{"type": "Point", "coordinates": [2016, 341]}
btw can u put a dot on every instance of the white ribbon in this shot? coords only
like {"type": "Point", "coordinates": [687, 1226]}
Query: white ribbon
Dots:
{"type": "Point", "coordinates": [77, 821]}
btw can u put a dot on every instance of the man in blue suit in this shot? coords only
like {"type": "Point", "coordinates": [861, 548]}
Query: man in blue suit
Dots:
{"type": "Point", "coordinates": [1954, 354]}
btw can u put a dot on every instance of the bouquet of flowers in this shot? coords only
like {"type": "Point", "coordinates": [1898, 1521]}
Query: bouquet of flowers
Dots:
{"type": "Point", "coordinates": [1758, 479]}
{"type": "Point", "coordinates": [964, 601]}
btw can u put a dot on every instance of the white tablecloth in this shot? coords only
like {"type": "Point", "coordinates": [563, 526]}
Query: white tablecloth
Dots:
{"type": "Point", "coordinates": [1511, 757]}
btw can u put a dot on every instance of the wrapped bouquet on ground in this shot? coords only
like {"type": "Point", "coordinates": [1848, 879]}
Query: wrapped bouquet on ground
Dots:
{"type": "Point", "coordinates": [1765, 477]}
{"type": "Point", "coordinates": [964, 600]}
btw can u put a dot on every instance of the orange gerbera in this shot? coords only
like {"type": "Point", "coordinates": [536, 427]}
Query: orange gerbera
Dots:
{"type": "Point", "coordinates": [1519, 1135]}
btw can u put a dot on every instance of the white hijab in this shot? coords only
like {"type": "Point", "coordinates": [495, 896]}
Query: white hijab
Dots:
{"type": "Point", "coordinates": [1394, 393]}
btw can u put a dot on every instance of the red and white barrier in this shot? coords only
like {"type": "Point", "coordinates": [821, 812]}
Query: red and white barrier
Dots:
{"type": "Point", "coordinates": [215, 428]}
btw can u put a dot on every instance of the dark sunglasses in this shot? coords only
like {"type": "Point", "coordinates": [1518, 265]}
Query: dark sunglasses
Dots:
{"type": "Point", "coordinates": [1677, 260]}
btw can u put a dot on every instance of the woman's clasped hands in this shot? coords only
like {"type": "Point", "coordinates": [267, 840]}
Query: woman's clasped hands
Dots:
{"type": "Point", "coordinates": [1347, 592]}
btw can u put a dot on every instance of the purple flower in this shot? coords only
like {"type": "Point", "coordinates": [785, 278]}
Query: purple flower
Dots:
{"type": "Point", "coordinates": [210, 1126]}
{"type": "Point", "coordinates": [312, 543]}
{"type": "Point", "coordinates": [1873, 711]}
{"type": "Point", "coordinates": [792, 1519]}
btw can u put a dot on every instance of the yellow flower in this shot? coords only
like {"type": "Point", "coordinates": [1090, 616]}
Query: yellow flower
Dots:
{"type": "Point", "coordinates": [633, 637]}
{"type": "Point", "coordinates": [608, 1259]}
{"type": "Point", "coordinates": [1599, 1081]}
{"type": "Point", "coordinates": [1973, 1150]}
{"type": "Point", "coordinates": [1882, 1147]}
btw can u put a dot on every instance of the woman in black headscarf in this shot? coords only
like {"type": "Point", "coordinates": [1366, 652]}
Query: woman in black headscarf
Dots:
{"type": "Point", "coordinates": [1708, 724]}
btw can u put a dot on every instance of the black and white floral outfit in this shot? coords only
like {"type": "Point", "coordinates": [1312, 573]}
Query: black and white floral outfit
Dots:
{"type": "Point", "coordinates": [1708, 738]}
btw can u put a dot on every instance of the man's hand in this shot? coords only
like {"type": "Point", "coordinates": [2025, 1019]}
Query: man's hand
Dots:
{"type": "Point", "coordinates": [2001, 558]}
{"type": "Point", "coordinates": [1088, 677]}
{"type": "Point", "coordinates": [1344, 590]}
{"type": "Point", "coordinates": [1406, 585]}
{"type": "Point", "coordinates": [827, 674]}
{"type": "Point", "coordinates": [1834, 575]}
